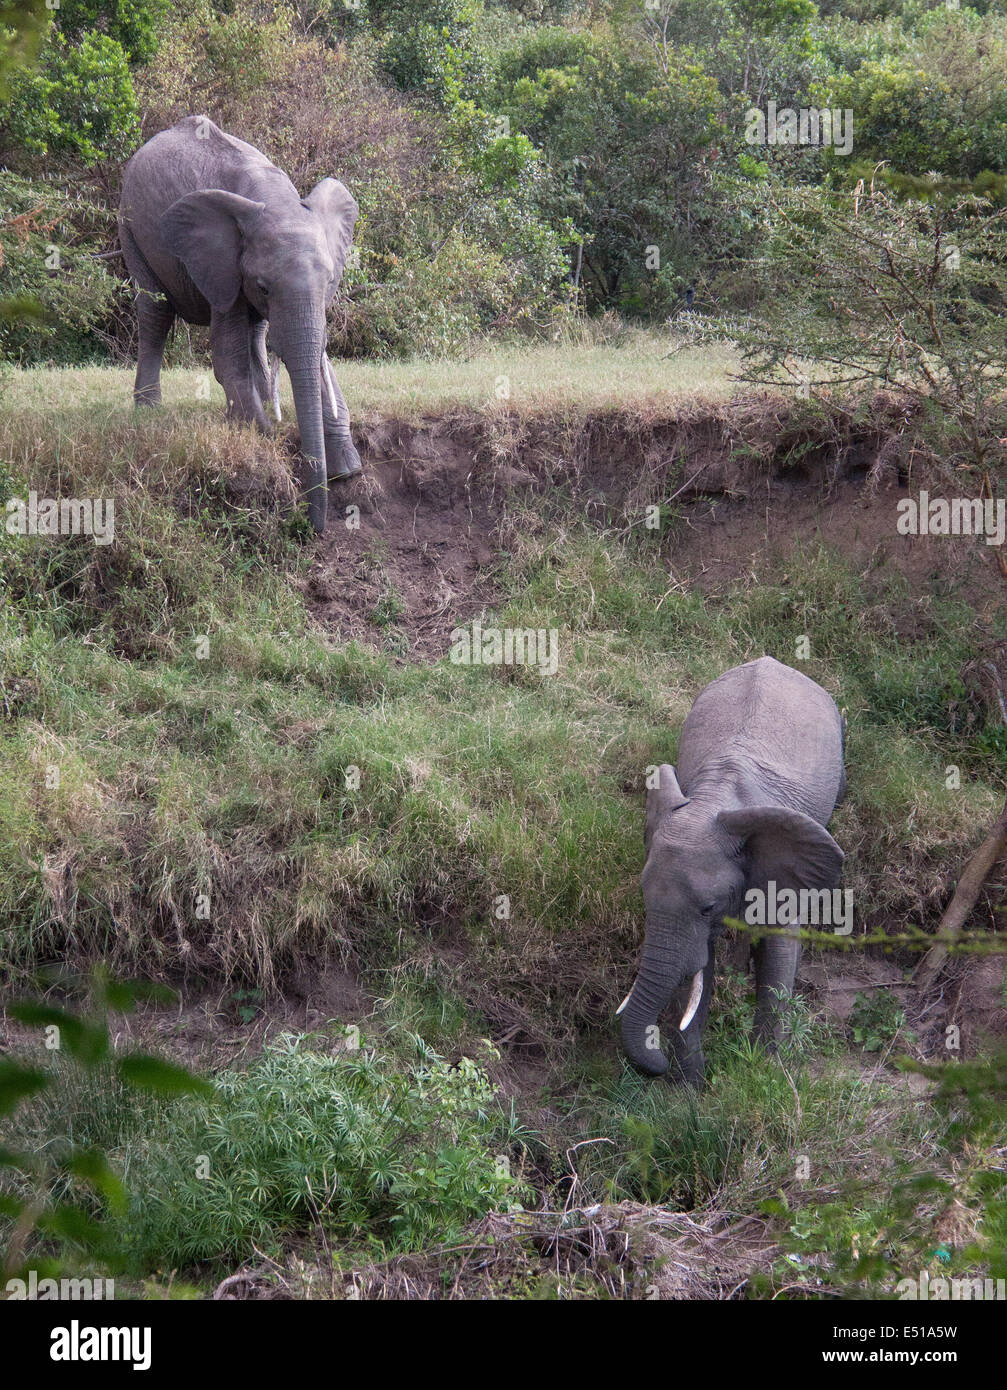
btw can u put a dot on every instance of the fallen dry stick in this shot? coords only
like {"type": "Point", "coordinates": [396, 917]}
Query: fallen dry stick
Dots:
{"type": "Point", "coordinates": [969, 886]}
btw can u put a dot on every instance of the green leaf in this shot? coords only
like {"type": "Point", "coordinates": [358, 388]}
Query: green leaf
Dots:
{"type": "Point", "coordinates": [123, 995]}
{"type": "Point", "coordinates": [17, 1082]}
{"type": "Point", "coordinates": [154, 1074]}
{"type": "Point", "coordinates": [91, 1166]}
{"type": "Point", "coordinates": [88, 1042]}
{"type": "Point", "coordinates": [73, 1223]}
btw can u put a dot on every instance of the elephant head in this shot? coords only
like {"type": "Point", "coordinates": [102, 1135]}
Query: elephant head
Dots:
{"type": "Point", "coordinates": [699, 861]}
{"type": "Point", "coordinates": [287, 262]}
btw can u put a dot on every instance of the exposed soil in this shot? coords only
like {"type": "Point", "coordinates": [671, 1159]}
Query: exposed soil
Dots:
{"type": "Point", "coordinates": [753, 483]}
{"type": "Point", "coordinates": [750, 482]}
{"type": "Point", "coordinates": [417, 563]}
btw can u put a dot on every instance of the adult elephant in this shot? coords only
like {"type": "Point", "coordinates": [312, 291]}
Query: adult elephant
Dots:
{"type": "Point", "coordinates": [760, 769]}
{"type": "Point", "coordinates": [214, 233]}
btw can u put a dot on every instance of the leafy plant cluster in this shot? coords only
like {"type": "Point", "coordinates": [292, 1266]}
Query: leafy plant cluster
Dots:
{"type": "Point", "coordinates": [392, 1148]}
{"type": "Point", "coordinates": [517, 161]}
{"type": "Point", "coordinates": [59, 1191]}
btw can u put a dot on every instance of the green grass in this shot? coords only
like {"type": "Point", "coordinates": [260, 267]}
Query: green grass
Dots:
{"type": "Point", "coordinates": [228, 777]}
{"type": "Point", "coordinates": [646, 368]}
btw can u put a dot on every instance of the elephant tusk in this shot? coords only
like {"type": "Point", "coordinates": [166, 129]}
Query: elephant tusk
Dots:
{"type": "Point", "coordinates": [276, 391]}
{"type": "Point", "coordinates": [327, 373]}
{"type": "Point", "coordinates": [622, 1005]}
{"type": "Point", "coordinates": [695, 996]}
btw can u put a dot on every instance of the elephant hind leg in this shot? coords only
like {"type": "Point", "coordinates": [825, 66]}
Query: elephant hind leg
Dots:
{"type": "Point", "coordinates": [154, 317]}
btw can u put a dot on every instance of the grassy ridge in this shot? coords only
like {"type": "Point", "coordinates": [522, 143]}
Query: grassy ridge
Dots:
{"type": "Point", "coordinates": [225, 774]}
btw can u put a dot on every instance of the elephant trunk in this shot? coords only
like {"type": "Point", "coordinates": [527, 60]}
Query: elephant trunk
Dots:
{"type": "Point", "coordinates": [300, 340]}
{"type": "Point", "coordinates": [664, 967]}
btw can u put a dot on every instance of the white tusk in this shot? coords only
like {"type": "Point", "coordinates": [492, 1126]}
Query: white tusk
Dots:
{"type": "Point", "coordinates": [327, 373]}
{"type": "Point", "coordinates": [695, 996]}
{"type": "Point", "coordinates": [276, 392]}
{"type": "Point", "coordinates": [622, 1005]}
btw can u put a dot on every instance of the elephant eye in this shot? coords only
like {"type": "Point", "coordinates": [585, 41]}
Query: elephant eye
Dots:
{"type": "Point", "coordinates": [708, 909]}
{"type": "Point", "coordinates": [262, 287]}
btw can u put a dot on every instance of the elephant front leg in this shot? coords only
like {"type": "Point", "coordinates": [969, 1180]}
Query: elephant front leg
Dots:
{"type": "Point", "coordinates": [233, 366]}
{"type": "Point", "coordinates": [341, 458]}
{"type": "Point", "coordinates": [688, 1061]}
{"type": "Point", "coordinates": [776, 962]}
{"type": "Point", "coordinates": [263, 377]}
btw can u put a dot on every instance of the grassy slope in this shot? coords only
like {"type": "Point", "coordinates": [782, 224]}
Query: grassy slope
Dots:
{"type": "Point", "coordinates": [227, 775]}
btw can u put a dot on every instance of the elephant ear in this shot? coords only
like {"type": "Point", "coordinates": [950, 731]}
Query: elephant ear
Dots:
{"type": "Point", "coordinates": [662, 799]}
{"type": "Point", "coordinates": [204, 230]}
{"type": "Point", "coordinates": [336, 208]}
{"type": "Point", "coordinates": [787, 846]}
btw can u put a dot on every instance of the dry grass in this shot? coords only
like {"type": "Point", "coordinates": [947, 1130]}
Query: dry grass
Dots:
{"type": "Point", "coordinates": [606, 1251]}
{"type": "Point", "coordinates": [648, 369]}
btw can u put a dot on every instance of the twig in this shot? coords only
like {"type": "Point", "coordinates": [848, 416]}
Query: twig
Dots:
{"type": "Point", "coordinates": [969, 887]}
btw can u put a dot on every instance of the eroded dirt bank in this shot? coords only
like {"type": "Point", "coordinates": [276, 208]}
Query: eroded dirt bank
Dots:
{"type": "Point", "coordinates": [738, 484]}
{"type": "Point", "coordinates": [747, 492]}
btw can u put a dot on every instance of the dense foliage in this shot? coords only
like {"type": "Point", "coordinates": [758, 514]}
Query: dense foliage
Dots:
{"type": "Point", "coordinates": [514, 159]}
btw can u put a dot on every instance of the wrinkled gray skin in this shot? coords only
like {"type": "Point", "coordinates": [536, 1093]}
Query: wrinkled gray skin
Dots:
{"type": "Point", "coordinates": [760, 770]}
{"type": "Point", "coordinates": [214, 233]}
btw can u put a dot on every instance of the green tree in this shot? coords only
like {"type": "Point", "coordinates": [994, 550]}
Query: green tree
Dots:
{"type": "Point", "coordinates": [864, 289]}
{"type": "Point", "coordinates": [134, 24]}
{"type": "Point", "coordinates": [632, 151]}
{"type": "Point", "coordinates": [78, 104]}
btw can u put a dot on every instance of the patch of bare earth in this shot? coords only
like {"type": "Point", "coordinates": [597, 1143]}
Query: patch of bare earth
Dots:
{"type": "Point", "coordinates": [757, 483]}
{"type": "Point", "coordinates": [754, 482]}
{"type": "Point", "coordinates": [407, 549]}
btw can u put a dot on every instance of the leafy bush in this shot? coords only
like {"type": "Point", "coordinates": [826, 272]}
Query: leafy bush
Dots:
{"type": "Point", "coordinates": [876, 290]}
{"type": "Point", "coordinates": [396, 1147]}
{"type": "Point", "coordinates": [631, 150]}
{"type": "Point", "coordinates": [903, 114]}
{"type": "Point", "coordinates": [132, 23]}
{"type": "Point", "coordinates": [877, 1020]}
{"type": "Point", "coordinates": [929, 99]}
{"type": "Point", "coordinates": [77, 104]}
{"type": "Point", "coordinates": [46, 235]}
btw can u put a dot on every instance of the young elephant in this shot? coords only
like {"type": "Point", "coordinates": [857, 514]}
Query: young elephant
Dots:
{"type": "Point", "coordinates": [760, 770]}
{"type": "Point", "coordinates": [213, 233]}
